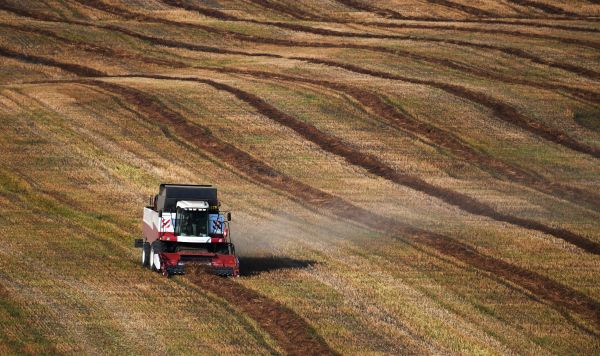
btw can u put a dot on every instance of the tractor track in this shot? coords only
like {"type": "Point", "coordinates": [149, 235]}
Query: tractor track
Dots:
{"type": "Point", "coordinates": [383, 110]}
{"type": "Point", "coordinates": [374, 165]}
{"type": "Point", "coordinates": [326, 32]}
{"type": "Point", "coordinates": [501, 110]}
{"type": "Point", "coordinates": [471, 10]}
{"type": "Point", "coordinates": [68, 67]}
{"type": "Point", "coordinates": [483, 16]}
{"type": "Point", "coordinates": [579, 93]}
{"type": "Point", "coordinates": [377, 105]}
{"type": "Point", "coordinates": [391, 14]}
{"type": "Point", "coordinates": [561, 296]}
{"type": "Point", "coordinates": [294, 12]}
{"type": "Point", "coordinates": [105, 51]}
{"type": "Point", "coordinates": [151, 39]}
{"type": "Point", "coordinates": [549, 9]}
{"type": "Point", "coordinates": [466, 203]}
{"type": "Point", "coordinates": [292, 333]}
{"type": "Point", "coordinates": [290, 43]}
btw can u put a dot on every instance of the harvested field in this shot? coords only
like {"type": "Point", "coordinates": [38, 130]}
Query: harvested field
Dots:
{"type": "Point", "coordinates": [415, 177]}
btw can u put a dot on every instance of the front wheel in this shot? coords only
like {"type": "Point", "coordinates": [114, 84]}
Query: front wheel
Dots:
{"type": "Point", "coordinates": [155, 249]}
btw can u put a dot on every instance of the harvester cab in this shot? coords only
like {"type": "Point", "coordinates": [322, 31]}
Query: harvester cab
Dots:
{"type": "Point", "coordinates": [182, 226]}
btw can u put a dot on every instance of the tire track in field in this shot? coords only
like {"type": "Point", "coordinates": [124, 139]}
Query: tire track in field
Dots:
{"type": "Point", "coordinates": [391, 14]}
{"type": "Point", "coordinates": [294, 12]}
{"type": "Point", "coordinates": [547, 8]}
{"type": "Point", "coordinates": [289, 43]}
{"type": "Point", "coordinates": [385, 111]}
{"type": "Point", "coordinates": [361, 6]}
{"type": "Point", "coordinates": [134, 34]}
{"type": "Point", "coordinates": [291, 331]}
{"type": "Point", "coordinates": [326, 32]}
{"type": "Point", "coordinates": [374, 165]}
{"type": "Point", "coordinates": [336, 146]}
{"type": "Point", "coordinates": [471, 10]}
{"type": "Point", "coordinates": [102, 50]}
{"type": "Point", "coordinates": [543, 287]}
{"type": "Point", "coordinates": [577, 92]}
{"type": "Point", "coordinates": [68, 67]}
{"type": "Point", "coordinates": [392, 116]}
{"type": "Point", "coordinates": [501, 110]}
{"type": "Point", "coordinates": [377, 104]}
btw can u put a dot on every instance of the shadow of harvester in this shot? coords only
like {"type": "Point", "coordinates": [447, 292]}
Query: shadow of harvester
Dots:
{"type": "Point", "coordinates": [250, 266]}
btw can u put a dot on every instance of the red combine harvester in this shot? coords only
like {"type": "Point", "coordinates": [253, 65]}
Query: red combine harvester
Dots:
{"type": "Point", "coordinates": [183, 225]}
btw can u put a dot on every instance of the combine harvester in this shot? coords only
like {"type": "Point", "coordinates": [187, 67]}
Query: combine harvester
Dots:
{"type": "Point", "coordinates": [183, 225]}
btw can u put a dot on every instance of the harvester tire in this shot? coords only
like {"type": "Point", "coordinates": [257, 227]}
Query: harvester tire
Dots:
{"type": "Point", "coordinates": [146, 254]}
{"type": "Point", "coordinates": [156, 248]}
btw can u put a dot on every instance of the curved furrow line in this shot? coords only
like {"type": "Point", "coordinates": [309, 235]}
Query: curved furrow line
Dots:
{"type": "Point", "coordinates": [361, 6]}
{"type": "Point", "coordinates": [471, 10]}
{"type": "Point", "coordinates": [326, 32]}
{"type": "Point", "coordinates": [389, 114]}
{"type": "Point", "coordinates": [338, 147]}
{"type": "Point", "coordinates": [577, 92]}
{"type": "Point", "coordinates": [441, 138]}
{"type": "Point", "coordinates": [385, 111]}
{"type": "Point", "coordinates": [374, 165]}
{"type": "Point", "coordinates": [294, 12]}
{"type": "Point", "coordinates": [141, 36]}
{"type": "Point", "coordinates": [289, 43]}
{"type": "Point", "coordinates": [506, 50]}
{"type": "Point", "coordinates": [500, 109]}
{"type": "Point", "coordinates": [391, 14]}
{"type": "Point", "coordinates": [292, 333]}
{"type": "Point", "coordinates": [547, 8]}
{"type": "Point", "coordinates": [67, 67]}
{"type": "Point", "coordinates": [543, 287]}
{"type": "Point", "coordinates": [85, 46]}
{"type": "Point", "coordinates": [495, 31]}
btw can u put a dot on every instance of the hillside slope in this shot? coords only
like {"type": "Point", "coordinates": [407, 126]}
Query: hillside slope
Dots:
{"type": "Point", "coordinates": [406, 177]}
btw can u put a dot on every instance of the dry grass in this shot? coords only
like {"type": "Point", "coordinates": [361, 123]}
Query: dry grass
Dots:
{"type": "Point", "coordinates": [79, 160]}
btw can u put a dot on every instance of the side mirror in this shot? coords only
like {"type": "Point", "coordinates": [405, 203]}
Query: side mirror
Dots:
{"type": "Point", "coordinates": [160, 214]}
{"type": "Point", "coordinates": [228, 216]}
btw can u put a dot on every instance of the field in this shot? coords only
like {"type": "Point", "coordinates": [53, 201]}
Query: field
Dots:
{"type": "Point", "coordinates": [405, 176]}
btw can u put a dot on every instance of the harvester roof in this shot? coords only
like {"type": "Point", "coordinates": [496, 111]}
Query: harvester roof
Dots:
{"type": "Point", "coordinates": [170, 194]}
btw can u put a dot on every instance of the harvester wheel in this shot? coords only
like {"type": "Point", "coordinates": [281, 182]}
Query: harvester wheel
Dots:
{"type": "Point", "coordinates": [155, 249]}
{"type": "Point", "coordinates": [146, 255]}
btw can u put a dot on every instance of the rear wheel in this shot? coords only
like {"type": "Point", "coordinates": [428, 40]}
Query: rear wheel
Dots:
{"type": "Point", "coordinates": [146, 254]}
